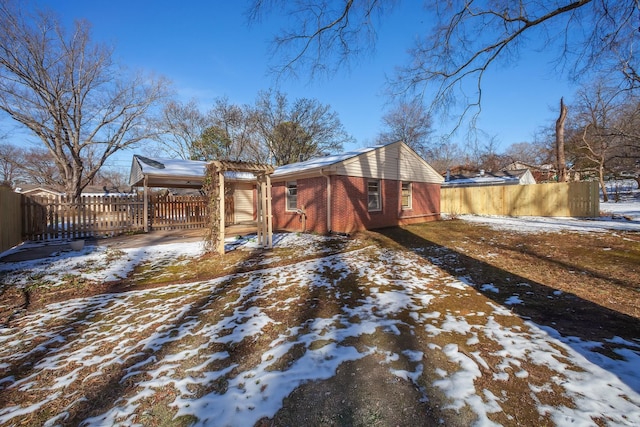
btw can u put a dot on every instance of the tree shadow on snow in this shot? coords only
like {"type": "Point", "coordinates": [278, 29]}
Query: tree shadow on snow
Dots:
{"type": "Point", "coordinates": [566, 313]}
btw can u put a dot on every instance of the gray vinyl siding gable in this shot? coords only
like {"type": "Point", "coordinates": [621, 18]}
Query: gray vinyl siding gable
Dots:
{"type": "Point", "coordinates": [136, 172]}
{"type": "Point", "coordinates": [379, 164]}
{"type": "Point", "coordinates": [393, 162]}
{"type": "Point", "coordinates": [414, 168]}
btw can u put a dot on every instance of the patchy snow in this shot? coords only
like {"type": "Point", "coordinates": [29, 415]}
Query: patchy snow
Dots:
{"type": "Point", "coordinates": [159, 338]}
{"type": "Point", "coordinates": [103, 264]}
{"type": "Point", "coordinates": [179, 336]}
{"type": "Point", "coordinates": [622, 216]}
{"type": "Point", "coordinates": [93, 263]}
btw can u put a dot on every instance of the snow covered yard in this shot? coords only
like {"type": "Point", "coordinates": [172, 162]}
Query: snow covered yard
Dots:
{"type": "Point", "coordinates": [246, 347]}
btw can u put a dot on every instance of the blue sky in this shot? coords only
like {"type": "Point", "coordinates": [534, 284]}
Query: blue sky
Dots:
{"type": "Point", "coordinates": [207, 50]}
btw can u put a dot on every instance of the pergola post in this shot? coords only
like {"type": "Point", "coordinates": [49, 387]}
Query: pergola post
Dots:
{"type": "Point", "coordinates": [259, 211]}
{"type": "Point", "coordinates": [145, 205]}
{"type": "Point", "coordinates": [265, 214]}
{"type": "Point", "coordinates": [269, 212]}
{"type": "Point", "coordinates": [221, 212]}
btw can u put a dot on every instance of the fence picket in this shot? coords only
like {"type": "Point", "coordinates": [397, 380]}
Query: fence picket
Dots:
{"type": "Point", "coordinates": [572, 199]}
{"type": "Point", "coordinates": [58, 217]}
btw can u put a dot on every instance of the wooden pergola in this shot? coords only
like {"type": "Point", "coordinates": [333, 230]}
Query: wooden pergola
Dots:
{"type": "Point", "coordinates": [264, 220]}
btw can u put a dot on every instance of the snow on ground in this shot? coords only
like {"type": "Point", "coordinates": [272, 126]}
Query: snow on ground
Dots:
{"type": "Point", "coordinates": [94, 263]}
{"type": "Point", "coordinates": [623, 215]}
{"type": "Point", "coordinates": [102, 263]}
{"type": "Point", "coordinates": [177, 336]}
{"type": "Point", "coordinates": [526, 224]}
{"type": "Point", "coordinates": [160, 337]}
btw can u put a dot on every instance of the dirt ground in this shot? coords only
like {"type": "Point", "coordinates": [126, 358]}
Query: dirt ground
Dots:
{"type": "Point", "coordinates": [602, 300]}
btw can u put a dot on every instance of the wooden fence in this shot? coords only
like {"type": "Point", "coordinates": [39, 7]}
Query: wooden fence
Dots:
{"type": "Point", "coordinates": [572, 199]}
{"type": "Point", "coordinates": [177, 212]}
{"type": "Point", "coordinates": [46, 218]}
{"type": "Point", "coordinates": [10, 215]}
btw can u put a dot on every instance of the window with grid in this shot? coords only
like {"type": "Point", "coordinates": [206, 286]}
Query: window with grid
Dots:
{"type": "Point", "coordinates": [373, 192]}
{"type": "Point", "coordinates": [406, 195]}
{"type": "Point", "coordinates": [292, 195]}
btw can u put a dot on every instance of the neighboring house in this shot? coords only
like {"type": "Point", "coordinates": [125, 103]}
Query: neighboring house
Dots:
{"type": "Point", "coordinates": [96, 190]}
{"type": "Point", "coordinates": [90, 190]}
{"type": "Point", "coordinates": [369, 188]}
{"type": "Point", "coordinates": [541, 173]}
{"type": "Point", "coordinates": [36, 190]}
{"type": "Point", "coordinates": [482, 178]}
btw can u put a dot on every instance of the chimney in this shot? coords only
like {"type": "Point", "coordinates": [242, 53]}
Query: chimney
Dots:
{"type": "Point", "coordinates": [481, 172]}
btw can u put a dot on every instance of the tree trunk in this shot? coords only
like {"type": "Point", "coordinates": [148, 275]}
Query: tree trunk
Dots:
{"type": "Point", "coordinates": [560, 159]}
{"type": "Point", "coordinates": [605, 196]}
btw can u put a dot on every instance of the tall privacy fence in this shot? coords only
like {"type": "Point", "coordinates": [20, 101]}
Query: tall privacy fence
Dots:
{"type": "Point", "coordinates": [40, 218]}
{"type": "Point", "coordinates": [571, 199]}
{"type": "Point", "coordinates": [46, 218]}
{"type": "Point", "coordinates": [10, 218]}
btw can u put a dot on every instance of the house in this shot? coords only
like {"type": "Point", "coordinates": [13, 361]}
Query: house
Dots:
{"type": "Point", "coordinates": [369, 188]}
{"type": "Point", "coordinates": [542, 173]}
{"type": "Point", "coordinates": [37, 190]}
{"type": "Point", "coordinates": [103, 190]}
{"type": "Point", "coordinates": [483, 178]}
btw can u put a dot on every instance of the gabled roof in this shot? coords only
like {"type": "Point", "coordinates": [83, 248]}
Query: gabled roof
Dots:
{"type": "Point", "coordinates": [395, 160]}
{"type": "Point", "coordinates": [175, 173]}
{"type": "Point", "coordinates": [96, 190]}
{"type": "Point", "coordinates": [36, 188]}
{"type": "Point", "coordinates": [520, 176]}
{"type": "Point", "coordinates": [321, 162]}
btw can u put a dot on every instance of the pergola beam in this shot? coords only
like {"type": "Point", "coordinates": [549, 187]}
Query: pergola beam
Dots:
{"type": "Point", "coordinates": [263, 190]}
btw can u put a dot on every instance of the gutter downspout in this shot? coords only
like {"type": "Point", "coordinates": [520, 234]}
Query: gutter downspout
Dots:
{"type": "Point", "coordinates": [328, 177]}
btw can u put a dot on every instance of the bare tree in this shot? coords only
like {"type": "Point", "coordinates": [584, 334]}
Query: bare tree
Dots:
{"type": "Point", "coordinates": [10, 160]}
{"type": "Point", "coordinates": [298, 131]}
{"type": "Point", "coordinates": [112, 180]}
{"type": "Point", "coordinates": [561, 163]}
{"type": "Point", "coordinates": [409, 122]}
{"type": "Point", "coordinates": [606, 132]}
{"type": "Point", "coordinates": [32, 165]}
{"type": "Point", "coordinates": [235, 130]}
{"type": "Point", "coordinates": [227, 131]}
{"type": "Point", "coordinates": [38, 167]}
{"type": "Point", "coordinates": [465, 40]}
{"type": "Point", "coordinates": [179, 128]}
{"type": "Point", "coordinates": [626, 158]}
{"type": "Point", "coordinates": [68, 92]}
{"type": "Point", "coordinates": [531, 153]}
{"type": "Point", "coordinates": [324, 35]}
{"type": "Point", "coordinates": [445, 155]}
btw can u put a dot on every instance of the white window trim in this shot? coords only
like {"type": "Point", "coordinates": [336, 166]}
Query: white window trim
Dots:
{"type": "Point", "coordinates": [287, 195]}
{"type": "Point", "coordinates": [379, 194]}
{"type": "Point", "coordinates": [410, 205]}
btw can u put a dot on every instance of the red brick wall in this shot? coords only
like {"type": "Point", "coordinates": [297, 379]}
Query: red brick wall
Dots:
{"type": "Point", "coordinates": [312, 198]}
{"type": "Point", "coordinates": [425, 204]}
{"type": "Point", "coordinates": [349, 205]}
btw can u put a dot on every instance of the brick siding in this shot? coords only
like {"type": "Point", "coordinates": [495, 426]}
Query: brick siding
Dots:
{"type": "Point", "coordinates": [349, 205]}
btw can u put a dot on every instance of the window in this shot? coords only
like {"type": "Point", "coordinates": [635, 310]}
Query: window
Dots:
{"type": "Point", "coordinates": [406, 195]}
{"type": "Point", "coordinates": [292, 195]}
{"type": "Point", "coordinates": [373, 192]}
